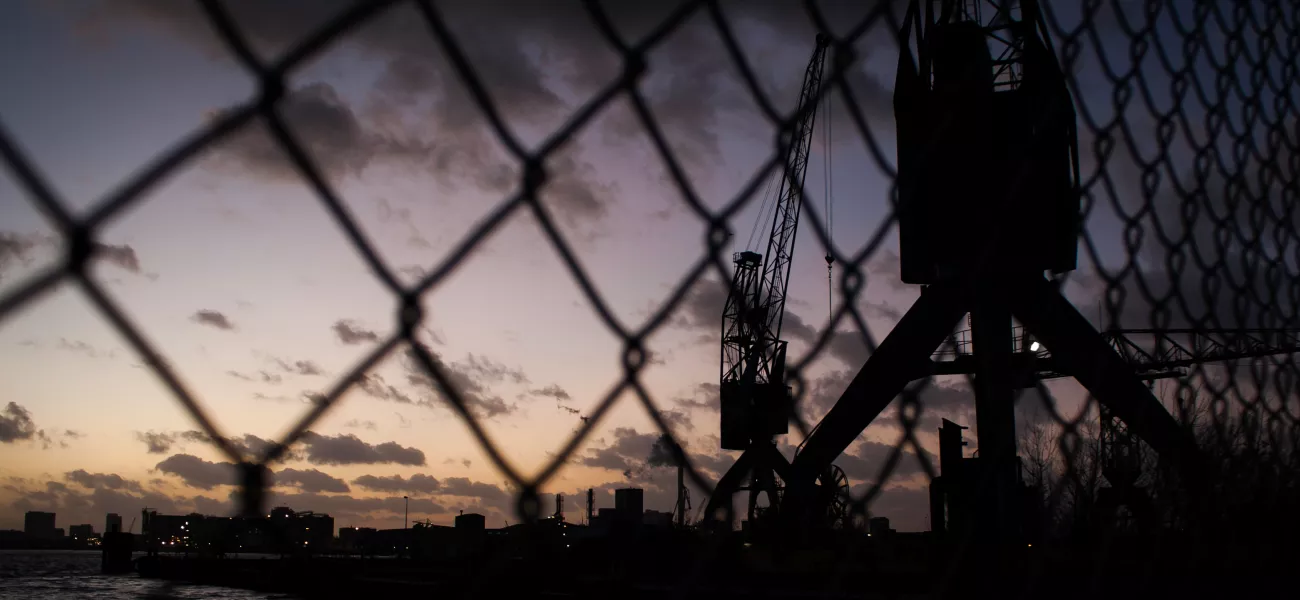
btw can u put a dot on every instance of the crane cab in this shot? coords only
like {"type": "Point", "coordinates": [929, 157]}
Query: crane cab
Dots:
{"type": "Point", "coordinates": [987, 156]}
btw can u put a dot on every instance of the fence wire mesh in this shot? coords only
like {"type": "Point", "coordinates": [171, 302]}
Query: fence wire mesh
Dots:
{"type": "Point", "coordinates": [1187, 128]}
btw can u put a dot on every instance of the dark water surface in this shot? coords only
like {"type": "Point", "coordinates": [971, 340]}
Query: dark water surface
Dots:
{"type": "Point", "coordinates": [74, 574]}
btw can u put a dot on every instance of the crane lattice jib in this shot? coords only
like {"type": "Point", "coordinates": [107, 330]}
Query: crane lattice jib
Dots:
{"type": "Point", "coordinates": [780, 246]}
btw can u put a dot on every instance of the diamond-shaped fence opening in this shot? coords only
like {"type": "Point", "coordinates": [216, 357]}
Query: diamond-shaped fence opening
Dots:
{"type": "Point", "coordinates": [1185, 123]}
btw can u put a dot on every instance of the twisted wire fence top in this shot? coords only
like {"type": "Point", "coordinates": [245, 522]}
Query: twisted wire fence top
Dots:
{"type": "Point", "coordinates": [1187, 126]}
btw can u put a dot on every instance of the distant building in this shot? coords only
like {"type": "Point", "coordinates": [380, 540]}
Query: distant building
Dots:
{"type": "Point", "coordinates": [629, 506]}
{"type": "Point", "coordinates": [113, 523]}
{"type": "Point", "coordinates": [39, 525]}
{"type": "Point", "coordinates": [354, 538]}
{"type": "Point", "coordinates": [471, 521]}
{"type": "Point", "coordinates": [879, 526]}
{"type": "Point", "coordinates": [657, 519]}
{"type": "Point", "coordinates": [81, 533]}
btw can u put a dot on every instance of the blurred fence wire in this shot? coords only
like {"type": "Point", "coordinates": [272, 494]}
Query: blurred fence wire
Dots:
{"type": "Point", "coordinates": [1188, 132]}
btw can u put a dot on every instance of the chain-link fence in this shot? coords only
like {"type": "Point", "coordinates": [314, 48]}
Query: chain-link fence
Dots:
{"type": "Point", "coordinates": [1186, 130]}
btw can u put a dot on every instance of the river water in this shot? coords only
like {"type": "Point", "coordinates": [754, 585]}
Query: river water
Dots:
{"type": "Point", "coordinates": [74, 574]}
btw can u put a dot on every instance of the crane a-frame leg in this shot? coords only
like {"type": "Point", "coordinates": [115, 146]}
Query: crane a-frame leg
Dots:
{"type": "Point", "coordinates": [761, 463]}
{"type": "Point", "coordinates": [1078, 349]}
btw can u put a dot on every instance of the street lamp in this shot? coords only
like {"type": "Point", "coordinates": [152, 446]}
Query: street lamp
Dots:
{"type": "Point", "coordinates": [406, 512]}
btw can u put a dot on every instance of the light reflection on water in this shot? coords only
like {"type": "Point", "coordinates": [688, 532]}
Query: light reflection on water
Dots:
{"type": "Point", "coordinates": [74, 574]}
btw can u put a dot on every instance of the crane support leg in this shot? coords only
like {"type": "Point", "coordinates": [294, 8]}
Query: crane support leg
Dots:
{"type": "Point", "coordinates": [759, 457]}
{"type": "Point", "coordinates": [1078, 349]}
{"type": "Point", "coordinates": [902, 356]}
{"type": "Point", "coordinates": [1082, 353]}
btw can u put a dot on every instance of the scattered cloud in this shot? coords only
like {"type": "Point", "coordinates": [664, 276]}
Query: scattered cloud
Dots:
{"type": "Point", "coordinates": [121, 255]}
{"type": "Point", "coordinates": [866, 461]}
{"type": "Point", "coordinates": [16, 424]}
{"type": "Point", "coordinates": [311, 481]}
{"type": "Point", "coordinates": [348, 449]}
{"type": "Point", "coordinates": [471, 378]}
{"type": "Point", "coordinates": [493, 372]}
{"type": "Point", "coordinates": [199, 473]}
{"type": "Point", "coordinates": [259, 376]}
{"type": "Point", "coordinates": [102, 480]}
{"type": "Point", "coordinates": [705, 396]}
{"type": "Point", "coordinates": [374, 385]}
{"type": "Point", "coordinates": [417, 484]}
{"type": "Point", "coordinates": [679, 419]}
{"type": "Point", "coordinates": [627, 453]}
{"type": "Point", "coordinates": [360, 424]}
{"type": "Point", "coordinates": [83, 348]}
{"type": "Point", "coordinates": [552, 391]}
{"type": "Point", "coordinates": [350, 333]}
{"type": "Point", "coordinates": [213, 318]}
{"type": "Point", "coordinates": [16, 248]}
{"type": "Point", "coordinates": [300, 367]}
{"type": "Point", "coordinates": [331, 131]}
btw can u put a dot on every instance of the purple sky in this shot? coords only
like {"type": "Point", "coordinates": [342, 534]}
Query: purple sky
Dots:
{"type": "Point", "coordinates": [235, 271]}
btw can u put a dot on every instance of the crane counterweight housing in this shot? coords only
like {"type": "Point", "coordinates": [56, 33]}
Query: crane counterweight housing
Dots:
{"type": "Point", "coordinates": [987, 150]}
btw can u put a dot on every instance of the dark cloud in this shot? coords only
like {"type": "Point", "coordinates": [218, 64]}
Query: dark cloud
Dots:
{"type": "Point", "coordinates": [350, 333]}
{"type": "Point", "coordinates": [552, 391]}
{"type": "Point", "coordinates": [907, 508]}
{"type": "Point", "coordinates": [627, 451]}
{"type": "Point", "coordinates": [348, 449]}
{"type": "Point", "coordinates": [121, 255]}
{"type": "Point", "coordinates": [16, 424]}
{"type": "Point", "coordinates": [300, 367]}
{"type": "Point", "coordinates": [794, 327]}
{"type": "Point", "coordinates": [692, 87]}
{"type": "Point", "coordinates": [705, 396]}
{"type": "Point", "coordinates": [156, 443]}
{"type": "Point", "coordinates": [939, 398]}
{"type": "Point", "coordinates": [661, 453]}
{"type": "Point", "coordinates": [199, 473]}
{"type": "Point", "coordinates": [373, 385]}
{"type": "Point", "coordinates": [247, 445]}
{"type": "Point", "coordinates": [73, 434]}
{"type": "Point", "coordinates": [471, 378]}
{"type": "Point", "coordinates": [311, 481]}
{"type": "Point", "coordinates": [81, 347]}
{"type": "Point", "coordinates": [331, 132]}
{"type": "Point", "coordinates": [702, 306]}
{"type": "Point", "coordinates": [360, 424]}
{"type": "Point", "coordinates": [679, 419]}
{"type": "Point", "coordinates": [866, 461]}
{"type": "Point", "coordinates": [253, 446]}
{"type": "Point", "coordinates": [213, 318]}
{"type": "Point", "coordinates": [259, 376]}
{"type": "Point", "coordinates": [417, 484]}
{"type": "Point", "coordinates": [490, 371]}
{"type": "Point", "coordinates": [16, 248]}
{"type": "Point", "coordinates": [75, 504]}
{"type": "Point", "coordinates": [488, 493]}
{"type": "Point", "coordinates": [102, 480]}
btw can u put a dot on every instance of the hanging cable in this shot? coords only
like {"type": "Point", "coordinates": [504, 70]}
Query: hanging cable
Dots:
{"type": "Point", "coordinates": [826, 168]}
{"type": "Point", "coordinates": [761, 218]}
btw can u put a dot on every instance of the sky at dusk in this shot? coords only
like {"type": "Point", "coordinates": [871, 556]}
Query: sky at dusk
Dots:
{"type": "Point", "coordinates": [235, 271]}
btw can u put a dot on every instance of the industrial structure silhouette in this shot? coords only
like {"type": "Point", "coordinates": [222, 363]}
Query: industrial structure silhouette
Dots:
{"type": "Point", "coordinates": [990, 202]}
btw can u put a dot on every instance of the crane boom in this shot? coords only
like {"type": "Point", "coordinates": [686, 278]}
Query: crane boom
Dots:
{"type": "Point", "coordinates": [780, 245]}
{"type": "Point", "coordinates": [753, 394]}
